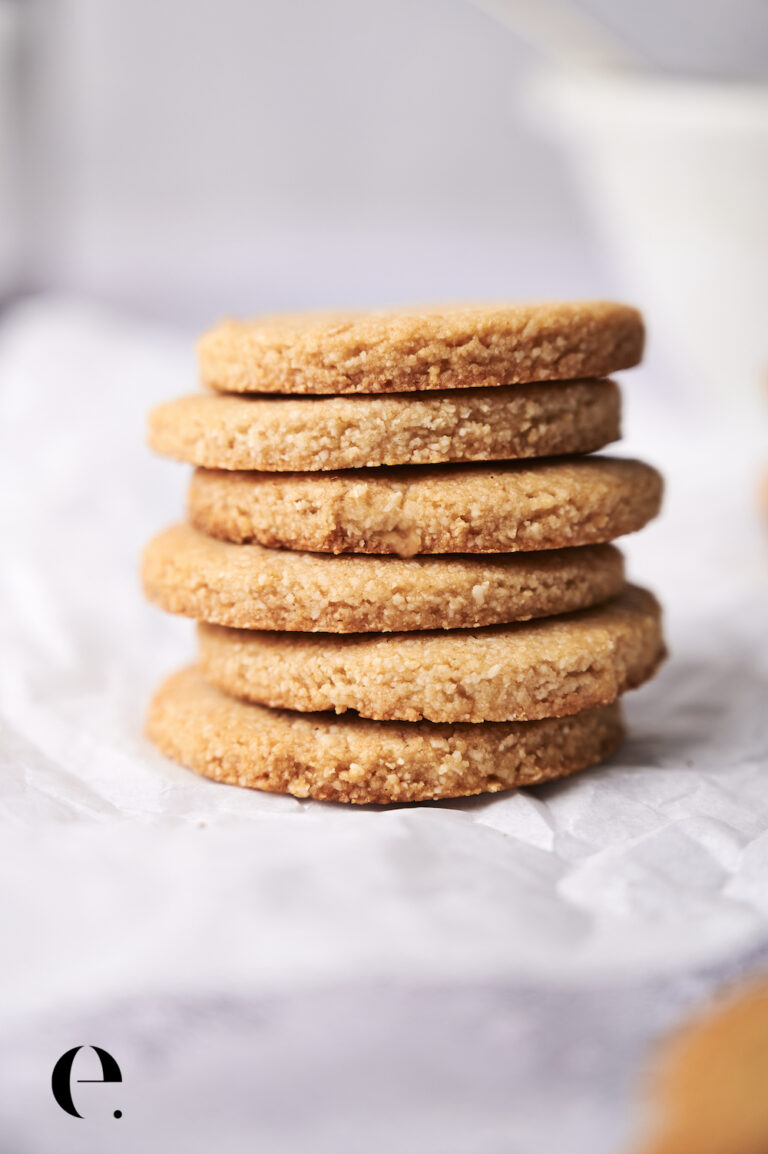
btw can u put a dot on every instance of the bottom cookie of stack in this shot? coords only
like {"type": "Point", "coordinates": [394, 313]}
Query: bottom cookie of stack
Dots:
{"type": "Point", "coordinates": [332, 758]}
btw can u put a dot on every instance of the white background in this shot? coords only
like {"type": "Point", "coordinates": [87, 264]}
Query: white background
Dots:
{"type": "Point", "coordinates": [189, 158]}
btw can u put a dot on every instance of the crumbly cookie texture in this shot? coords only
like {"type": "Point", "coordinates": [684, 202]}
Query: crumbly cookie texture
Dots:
{"type": "Point", "coordinates": [549, 668]}
{"type": "Point", "coordinates": [250, 587]}
{"type": "Point", "coordinates": [502, 508]}
{"type": "Point", "coordinates": [352, 760]}
{"type": "Point", "coordinates": [309, 433]}
{"type": "Point", "coordinates": [438, 348]}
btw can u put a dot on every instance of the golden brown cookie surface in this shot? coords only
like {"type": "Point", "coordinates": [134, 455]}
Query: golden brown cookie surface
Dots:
{"type": "Point", "coordinates": [248, 586]}
{"type": "Point", "coordinates": [353, 760]}
{"type": "Point", "coordinates": [309, 433]}
{"type": "Point", "coordinates": [410, 350]}
{"type": "Point", "coordinates": [546, 668]}
{"type": "Point", "coordinates": [500, 508]}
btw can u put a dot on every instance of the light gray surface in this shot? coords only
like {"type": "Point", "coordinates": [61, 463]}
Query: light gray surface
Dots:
{"type": "Point", "coordinates": [422, 1069]}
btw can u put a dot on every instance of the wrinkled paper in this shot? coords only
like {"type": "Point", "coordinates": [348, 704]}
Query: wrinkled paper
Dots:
{"type": "Point", "coordinates": [124, 874]}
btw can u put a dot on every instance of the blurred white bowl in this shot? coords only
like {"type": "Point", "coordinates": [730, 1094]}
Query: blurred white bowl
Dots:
{"type": "Point", "coordinates": [676, 173]}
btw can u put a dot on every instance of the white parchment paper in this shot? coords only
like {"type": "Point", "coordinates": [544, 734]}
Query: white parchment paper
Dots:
{"type": "Point", "coordinates": [125, 874]}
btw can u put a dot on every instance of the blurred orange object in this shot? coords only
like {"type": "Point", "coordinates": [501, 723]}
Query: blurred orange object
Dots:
{"type": "Point", "coordinates": [712, 1086]}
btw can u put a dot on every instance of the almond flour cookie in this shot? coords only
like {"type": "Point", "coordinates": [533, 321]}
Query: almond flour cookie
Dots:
{"type": "Point", "coordinates": [251, 587]}
{"type": "Point", "coordinates": [548, 668]}
{"type": "Point", "coordinates": [503, 508]}
{"type": "Point", "coordinates": [296, 433]}
{"type": "Point", "coordinates": [351, 760]}
{"type": "Point", "coordinates": [711, 1082]}
{"type": "Point", "coordinates": [406, 351]}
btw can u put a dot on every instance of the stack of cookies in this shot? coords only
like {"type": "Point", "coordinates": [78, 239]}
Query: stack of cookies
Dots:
{"type": "Point", "coordinates": [398, 552]}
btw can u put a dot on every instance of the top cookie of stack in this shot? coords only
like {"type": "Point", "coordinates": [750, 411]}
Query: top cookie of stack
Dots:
{"type": "Point", "coordinates": [408, 433]}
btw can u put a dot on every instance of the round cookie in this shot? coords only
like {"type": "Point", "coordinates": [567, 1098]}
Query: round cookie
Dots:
{"type": "Point", "coordinates": [710, 1079]}
{"type": "Point", "coordinates": [352, 760]}
{"type": "Point", "coordinates": [547, 668]}
{"type": "Point", "coordinates": [431, 509]}
{"type": "Point", "coordinates": [434, 348]}
{"type": "Point", "coordinates": [248, 586]}
{"type": "Point", "coordinates": [286, 434]}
